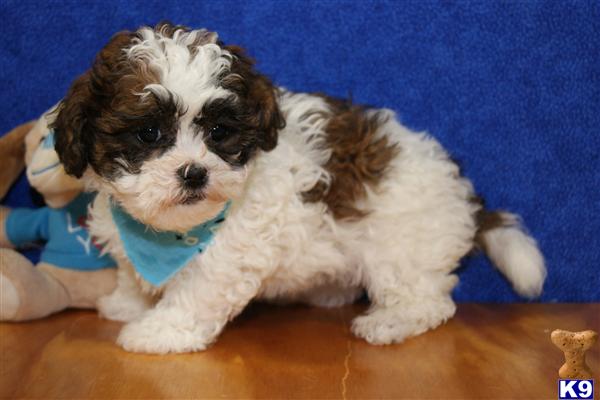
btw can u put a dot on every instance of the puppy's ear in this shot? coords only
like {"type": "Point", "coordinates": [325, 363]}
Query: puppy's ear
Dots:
{"type": "Point", "coordinates": [270, 118]}
{"type": "Point", "coordinates": [69, 126]}
{"type": "Point", "coordinates": [74, 131]}
{"type": "Point", "coordinates": [260, 96]}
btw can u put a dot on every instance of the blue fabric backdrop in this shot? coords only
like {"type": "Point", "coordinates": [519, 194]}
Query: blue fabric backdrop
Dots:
{"type": "Point", "coordinates": [512, 90]}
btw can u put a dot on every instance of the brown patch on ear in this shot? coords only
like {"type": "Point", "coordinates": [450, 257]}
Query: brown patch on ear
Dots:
{"type": "Point", "coordinates": [69, 127]}
{"type": "Point", "coordinates": [259, 96]}
{"type": "Point", "coordinates": [109, 65]}
{"type": "Point", "coordinates": [104, 100]}
{"type": "Point", "coordinates": [358, 159]}
{"type": "Point", "coordinates": [84, 100]}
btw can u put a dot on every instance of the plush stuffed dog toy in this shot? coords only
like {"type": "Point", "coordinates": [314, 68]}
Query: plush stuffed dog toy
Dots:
{"type": "Point", "coordinates": [72, 272]}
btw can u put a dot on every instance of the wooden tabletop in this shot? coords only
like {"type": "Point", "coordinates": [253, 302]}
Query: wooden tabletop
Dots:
{"type": "Point", "coordinates": [486, 351]}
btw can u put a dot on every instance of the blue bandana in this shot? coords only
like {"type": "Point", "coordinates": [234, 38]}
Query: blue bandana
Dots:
{"type": "Point", "coordinates": [157, 256]}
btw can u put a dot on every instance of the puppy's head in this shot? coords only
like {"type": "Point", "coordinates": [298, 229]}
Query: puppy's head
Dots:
{"type": "Point", "coordinates": [166, 121]}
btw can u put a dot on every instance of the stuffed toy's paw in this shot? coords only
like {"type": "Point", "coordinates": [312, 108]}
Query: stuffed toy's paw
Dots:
{"type": "Point", "coordinates": [72, 271]}
{"type": "Point", "coordinates": [9, 299]}
{"type": "Point", "coordinates": [27, 292]}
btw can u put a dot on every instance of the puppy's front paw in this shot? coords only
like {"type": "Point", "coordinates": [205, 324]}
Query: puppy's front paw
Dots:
{"type": "Point", "coordinates": [394, 324]}
{"type": "Point", "coordinates": [118, 307]}
{"type": "Point", "coordinates": [376, 328]}
{"type": "Point", "coordinates": [162, 331]}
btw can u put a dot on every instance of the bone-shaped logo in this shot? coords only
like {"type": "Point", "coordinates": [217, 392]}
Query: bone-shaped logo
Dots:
{"type": "Point", "coordinates": [574, 345]}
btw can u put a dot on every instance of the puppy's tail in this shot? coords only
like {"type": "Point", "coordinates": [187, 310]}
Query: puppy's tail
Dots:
{"type": "Point", "coordinates": [514, 252]}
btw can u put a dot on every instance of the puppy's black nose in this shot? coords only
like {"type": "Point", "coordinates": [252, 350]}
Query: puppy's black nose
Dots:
{"type": "Point", "coordinates": [193, 176]}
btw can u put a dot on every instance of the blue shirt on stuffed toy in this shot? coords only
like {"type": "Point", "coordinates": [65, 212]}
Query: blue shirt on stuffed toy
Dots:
{"type": "Point", "coordinates": [68, 242]}
{"type": "Point", "coordinates": [156, 256]}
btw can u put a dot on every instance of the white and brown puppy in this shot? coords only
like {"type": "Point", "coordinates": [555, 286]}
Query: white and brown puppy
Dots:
{"type": "Point", "coordinates": [327, 199]}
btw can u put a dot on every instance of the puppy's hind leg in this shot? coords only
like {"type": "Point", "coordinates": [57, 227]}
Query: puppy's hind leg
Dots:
{"type": "Point", "coordinates": [405, 302]}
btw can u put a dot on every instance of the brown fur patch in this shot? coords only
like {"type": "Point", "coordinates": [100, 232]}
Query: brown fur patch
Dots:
{"type": "Point", "coordinates": [488, 220]}
{"type": "Point", "coordinates": [258, 95]}
{"type": "Point", "coordinates": [99, 119]}
{"type": "Point", "coordinates": [358, 159]}
{"type": "Point", "coordinates": [117, 82]}
{"type": "Point", "coordinates": [251, 118]}
{"type": "Point", "coordinates": [101, 107]}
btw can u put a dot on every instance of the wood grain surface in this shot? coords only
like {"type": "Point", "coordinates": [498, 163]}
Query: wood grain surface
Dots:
{"type": "Point", "coordinates": [485, 352]}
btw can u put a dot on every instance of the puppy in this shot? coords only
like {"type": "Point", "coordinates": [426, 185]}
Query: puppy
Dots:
{"type": "Point", "coordinates": [282, 196]}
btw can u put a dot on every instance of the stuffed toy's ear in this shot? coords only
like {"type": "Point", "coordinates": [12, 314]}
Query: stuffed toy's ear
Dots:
{"type": "Point", "coordinates": [45, 172]}
{"type": "Point", "coordinates": [12, 154]}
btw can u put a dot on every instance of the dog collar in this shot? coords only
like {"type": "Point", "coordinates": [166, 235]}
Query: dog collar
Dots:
{"type": "Point", "coordinates": [158, 255]}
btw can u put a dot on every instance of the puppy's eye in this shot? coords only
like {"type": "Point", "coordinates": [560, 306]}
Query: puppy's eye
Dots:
{"type": "Point", "coordinates": [218, 133]}
{"type": "Point", "coordinates": [150, 134]}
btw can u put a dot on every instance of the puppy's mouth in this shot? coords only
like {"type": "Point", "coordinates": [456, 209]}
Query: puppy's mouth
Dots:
{"type": "Point", "coordinates": [192, 197]}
